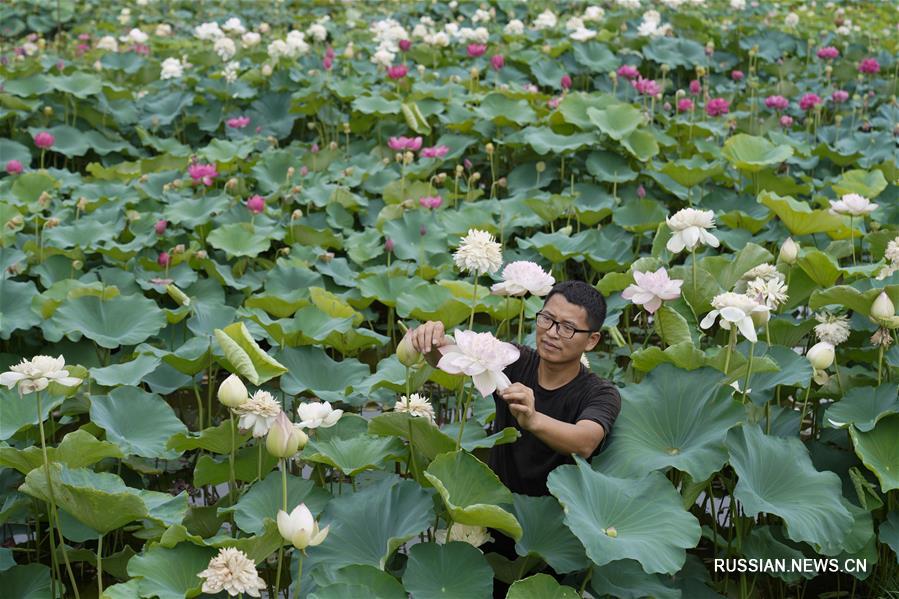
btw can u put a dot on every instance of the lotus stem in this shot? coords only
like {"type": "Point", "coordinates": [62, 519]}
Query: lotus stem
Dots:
{"type": "Point", "coordinates": [283, 467]}
{"type": "Point", "coordinates": [730, 345]}
{"type": "Point", "coordinates": [100, 565]}
{"type": "Point", "coordinates": [521, 322]}
{"type": "Point", "coordinates": [748, 371]}
{"type": "Point", "coordinates": [233, 479]}
{"type": "Point", "coordinates": [199, 407]}
{"type": "Point", "coordinates": [474, 300]}
{"type": "Point", "coordinates": [259, 459]}
{"type": "Point", "coordinates": [852, 237]}
{"type": "Point", "coordinates": [299, 572]}
{"type": "Point", "coordinates": [413, 465]}
{"type": "Point", "coordinates": [879, 363]}
{"type": "Point", "coordinates": [661, 332]}
{"type": "Point", "coordinates": [804, 406]}
{"type": "Point", "coordinates": [693, 255]}
{"type": "Point", "coordinates": [463, 417]}
{"type": "Point", "coordinates": [584, 583]}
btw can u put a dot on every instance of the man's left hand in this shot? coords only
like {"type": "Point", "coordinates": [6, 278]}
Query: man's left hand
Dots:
{"type": "Point", "coordinates": [521, 403]}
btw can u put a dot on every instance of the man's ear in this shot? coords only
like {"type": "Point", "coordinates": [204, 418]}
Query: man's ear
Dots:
{"type": "Point", "coordinates": [594, 340]}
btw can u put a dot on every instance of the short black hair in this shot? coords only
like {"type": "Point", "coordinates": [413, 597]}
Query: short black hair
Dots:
{"type": "Point", "coordinates": [587, 296]}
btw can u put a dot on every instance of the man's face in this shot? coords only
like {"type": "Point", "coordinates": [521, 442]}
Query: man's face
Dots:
{"type": "Point", "coordinates": [554, 347]}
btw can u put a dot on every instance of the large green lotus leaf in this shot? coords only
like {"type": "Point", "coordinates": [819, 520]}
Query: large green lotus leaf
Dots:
{"type": "Point", "coordinates": [353, 455]}
{"type": "Point", "coordinates": [98, 500]}
{"type": "Point", "coordinates": [239, 239]}
{"type": "Point", "coordinates": [472, 492]}
{"type": "Point", "coordinates": [212, 471]}
{"type": "Point", "coordinates": [639, 215]}
{"type": "Point", "coordinates": [376, 105]}
{"type": "Point", "coordinates": [863, 407]}
{"type": "Point", "coordinates": [19, 412]}
{"type": "Point", "coordinates": [28, 581]}
{"type": "Point", "coordinates": [386, 289]}
{"type": "Point", "coordinates": [671, 326]}
{"type": "Point", "coordinates": [795, 370]}
{"type": "Point", "coordinates": [596, 56]}
{"type": "Point", "coordinates": [122, 590]}
{"type": "Point", "coordinates": [264, 499]}
{"type": "Point", "coordinates": [216, 439]}
{"type": "Point", "coordinates": [888, 533]}
{"type": "Point", "coordinates": [273, 112]}
{"type": "Point", "coordinates": [540, 585]}
{"type": "Point", "coordinates": [13, 150]}
{"type": "Point", "coordinates": [73, 142]}
{"type": "Point", "coordinates": [245, 357]}
{"type": "Point", "coordinates": [802, 219]}
{"type": "Point", "coordinates": [617, 121]}
{"type": "Point", "coordinates": [642, 145]}
{"type": "Point", "coordinates": [170, 573]}
{"type": "Point", "coordinates": [610, 167]}
{"type": "Point", "coordinates": [403, 510]}
{"type": "Point", "coordinates": [432, 302]}
{"type": "Point", "coordinates": [852, 298]}
{"type": "Point", "coordinates": [878, 449]}
{"type": "Point", "coordinates": [692, 171]}
{"type": "Point", "coordinates": [752, 153]}
{"type": "Point", "coordinates": [545, 534]}
{"type": "Point", "coordinates": [126, 373]}
{"type": "Point", "coordinates": [730, 269]}
{"type": "Point", "coordinates": [673, 418]}
{"type": "Point", "coordinates": [121, 320]}
{"type": "Point", "coordinates": [866, 183]}
{"type": "Point", "coordinates": [820, 267]}
{"type": "Point", "coordinates": [311, 369]}
{"type": "Point", "coordinates": [767, 542]}
{"type": "Point", "coordinates": [573, 107]}
{"type": "Point", "coordinates": [684, 355]}
{"type": "Point", "coordinates": [456, 569]}
{"type": "Point", "coordinates": [28, 187]}
{"type": "Point", "coordinates": [79, 84]}
{"type": "Point", "coordinates": [506, 111]}
{"type": "Point", "coordinates": [675, 51]}
{"type": "Point", "coordinates": [140, 423]}
{"type": "Point", "coordinates": [15, 306]}
{"type": "Point", "coordinates": [776, 476]}
{"type": "Point", "coordinates": [544, 140]}
{"type": "Point", "coordinates": [192, 213]}
{"type": "Point", "coordinates": [375, 583]}
{"type": "Point", "coordinates": [76, 450]}
{"type": "Point", "coordinates": [618, 518]}
{"type": "Point", "coordinates": [627, 580]}
{"type": "Point", "coordinates": [427, 439]}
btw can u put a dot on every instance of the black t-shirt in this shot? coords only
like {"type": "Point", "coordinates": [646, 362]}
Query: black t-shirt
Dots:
{"type": "Point", "coordinates": [524, 465]}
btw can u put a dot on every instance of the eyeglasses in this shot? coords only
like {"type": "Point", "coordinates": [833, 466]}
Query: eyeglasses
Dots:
{"type": "Point", "coordinates": [566, 331]}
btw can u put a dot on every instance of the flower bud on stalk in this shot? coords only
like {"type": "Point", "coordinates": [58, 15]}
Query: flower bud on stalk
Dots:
{"type": "Point", "coordinates": [821, 355]}
{"type": "Point", "coordinates": [883, 309]}
{"type": "Point", "coordinates": [232, 392]}
{"type": "Point", "coordinates": [789, 251]}
{"type": "Point", "coordinates": [284, 438]}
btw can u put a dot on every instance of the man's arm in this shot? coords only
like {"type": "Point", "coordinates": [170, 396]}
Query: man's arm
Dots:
{"type": "Point", "coordinates": [581, 438]}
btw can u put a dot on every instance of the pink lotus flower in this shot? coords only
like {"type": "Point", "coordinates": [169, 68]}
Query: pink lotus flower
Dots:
{"type": "Point", "coordinates": [650, 289]}
{"type": "Point", "coordinates": [522, 277]}
{"type": "Point", "coordinates": [304, 170]}
{"type": "Point", "coordinates": [647, 87]}
{"type": "Point", "coordinates": [475, 50]}
{"type": "Point", "coordinates": [809, 101]}
{"type": "Point", "coordinates": [628, 72]}
{"type": "Point", "coordinates": [481, 356]}
{"type": "Point", "coordinates": [205, 173]}
{"type": "Point", "coordinates": [256, 204]}
{"type": "Point", "coordinates": [828, 53]}
{"type": "Point", "coordinates": [695, 87]}
{"type": "Point", "coordinates": [238, 122]}
{"type": "Point", "coordinates": [840, 96]}
{"type": "Point", "coordinates": [14, 167]}
{"type": "Point", "coordinates": [553, 103]}
{"type": "Point", "coordinates": [717, 107]}
{"type": "Point", "coordinates": [163, 259]}
{"type": "Point", "coordinates": [786, 121]}
{"type": "Point", "coordinates": [497, 61]}
{"type": "Point", "coordinates": [641, 191]}
{"type": "Point", "coordinates": [329, 52]}
{"type": "Point", "coordinates": [44, 140]}
{"type": "Point", "coordinates": [869, 66]}
{"type": "Point", "coordinates": [161, 226]}
{"type": "Point", "coordinates": [314, 148]}
{"type": "Point", "coordinates": [736, 75]}
{"type": "Point", "coordinates": [405, 45]}
{"type": "Point", "coordinates": [777, 102]}
{"type": "Point", "coordinates": [397, 71]}
{"type": "Point", "coordinates": [430, 202]}
{"type": "Point", "coordinates": [565, 82]}
{"type": "Point", "coordinates": [684, 105]}
{"type": "Point", "coordinates": [434, 151]}
{"type": "Point", "coordinates": [388, 245]}
{"type": "Point", "coordinates": [328, 63]}
{"type": "Point", "coordinates": [404, 143]}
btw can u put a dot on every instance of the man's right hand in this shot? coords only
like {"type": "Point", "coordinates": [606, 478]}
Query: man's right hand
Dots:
{"type": "Point", "coordinates": [428, 337]}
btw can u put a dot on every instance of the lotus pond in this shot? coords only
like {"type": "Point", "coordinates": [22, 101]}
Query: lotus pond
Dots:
{"type": "Point", "coordinates": [206, 201]}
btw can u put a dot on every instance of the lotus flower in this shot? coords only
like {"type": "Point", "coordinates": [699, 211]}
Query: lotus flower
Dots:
{"type": "Point", "coordinates": [497, 61]}
{"type": "Point", "coordinates": [163, 259]}
{"type": "Point", "coordinates": [397, 71]}
{"type": "Point", "coordinates": [404, 143]}
{"type": "Point", "coordinates": [522, 277]}
{"type": "Point", "coordinates": [415, 405]}
{"type": "Point", "coordinates": [647, 87]}
{"type": "Point", "coordinates": [232, 392]}
{"type": "Point", "coordinates": [828, 53]}
{"type": "Point", "coordinates": [839, 96]}
{"type": "Point", "coordinates": [205, 173]}
{"type": "Point", "coordinates": [695, 87]}
{"type": "Point", "coordinates": [821, 355]}
{"type": "Point", "coordinates": [684, 105]}
{"type": "Point", "coordinates": [300, 528]}
{"type": "Point", "coordinates": [652, 288]}
{"type": "Point", "coordinates": [284, 437]}
{"type": "Point", "coordinates": [717, 107]}
{"type": "Point", "coordinates": [435, 151]}
{"type": "Point", "coordinates": [317, 414]}
{"type": "Point", "coordinates": [736, 75]}
{"type": "Point", "coordinates": [689, 227]}
{"type": "Point", "coordinates": [44, 140]}
{"type": "Point", "coordinates": [481, 356]}
{"type": "Point", "coordinates": [256, 204]}
{"type": "Point", "coordinates": [833, 329]}
{"type": "Point", "coordinates": [238, 122]}
{"type": "Point", "coordinates": [37, 373]}
{"type": "Point", "coordinates": [786, 121]}
{"type": "Point", "coordinates": [233, 571]}
{"type": "Point", "coordinates": [258, 413]}
{"type": "Point", "coordinates": [14, 167]}
{"type": "Point", "coordinates": [405, 45]}
{"type": "Point", "coordinates": [479, 253]}
{"type": "Point", "coordinates": [735, 309]}
{"type": "Point", "coordinates": [809, 101]}
{"type": "Point", "coordinates": [476, 50]}
{"type": "Point", "coordinates": [160, 226]}
{"type": "Point", "coordinates": [628, 72]}
{"type": "Point", "coordinates": [777, 102]}
{"type": "Point", "coordinates": [852, 204]}
{"type": "Point", "coordinates": [565, 82]}
{"type": "Point", "coordinates": [869, 66]}
{"type": "Point", "coordinates": [430, 202]}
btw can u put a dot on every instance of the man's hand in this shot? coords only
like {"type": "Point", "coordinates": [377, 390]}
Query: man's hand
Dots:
{"type": "Point", "coordinates": [427, 338]}
{"type": "Point", "coordinates": [521, 403]}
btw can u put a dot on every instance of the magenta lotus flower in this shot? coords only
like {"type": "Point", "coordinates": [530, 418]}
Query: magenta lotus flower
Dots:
{"type": "Point", "coordinates": [256, 204]}
{"type": "Point", "coordinates": [314, 148]}
{"type": "Point", "coordinates": [650, 289]}
{"type": "Point", "coordinates": [840, 96]}
{"type": "Point", "coordinates": [397, 71]}
{"type": "Point", "coordinates": [14, 167]}
{"type": "Point", "coordinates": [497, 61]}
{"type": "Point", "coordinates": [405, 45]}
{"type": "Point", "coordinates": [786, 121]}
{"type": "Point", "coordinates": [161, 226]}
{"type": "Point", "coordinates": [809, 101]}
{"type": "Point", "coordinates": [684, 105]}
{"type": "Point", "coordinates": [777, 102]}
{"type": "Point", "coordinates": [522, 277]}
{"type": "Point", "coordinates": [647, 87]}
{"type": "Point", "coordinates": [869, 66]}
{"type": "Point", "coordinates": [430, 202]}
{"type": "Point", "coordinates": [565, 82]}
{"type": "Point", "coordinates": [44, 140]}
{"type": "Point", "coordinates": [434, 151]}
{"type": "Point", "coordinates": [475, 50]}
{"type": "Point", "coordinates": [163, 259]}
{"type": "Point", "coordinates": [205, 173]}
{"type": "Point", "coordinates": [401, 143]}
{"type": "Point", "coordinates": [328, 63]}
{"type": "Point", "coordinates": [717, 107]}
{"type": "Point", "coordinates": [238, 122]}
{"type": "Point", "coordinates": [481, 356]}
{"type": "Point", "coordinates": [628, 72]}
{"type": "Point", "coordinates": [695, 87]}
{"type": "Point", "coordinates": [736, 75]}
{"type": "Point", "coordinates": [828, 53]}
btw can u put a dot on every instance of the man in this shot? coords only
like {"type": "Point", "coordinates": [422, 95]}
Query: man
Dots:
{"type": "Point", "coordinates": [559, 406]}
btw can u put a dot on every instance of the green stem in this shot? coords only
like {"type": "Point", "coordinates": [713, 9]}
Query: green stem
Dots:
{"type": "Point", "coordinates": [199, 407]}
{"type": "Point", "coordinates": [852, 237]}
{"type": "Point", "coordinates": [412, 450]}
{"type": "Point", "coordinates": [299, 572]}
{"type": "Point", "coordinates": [233, 479]}
{"type": "Point", "coordinates": [474, 301]}
{"type": "Point", "coordinates": [730, 345]}
{"type": "Point", "coordinates": [748, 371]}
{"type": "Point", "coordinates": [804, 407]}
{"type": "Point", "coordinates": [521, 322]}
{"type": "Point", "coordinates": [259, 459]}
{"type": "Point", "coordinates": [283, 467]}
{"type": "Point", "coordinates": [693, 255]}
{"type": "Point", "coordinates": [464, 416]}
{"type": "Point", "coordinates": [100, 565]}
{"type": "Point", "coordinates": [879, 363]}
{"type": "Point", "coordinates": [584, 583]}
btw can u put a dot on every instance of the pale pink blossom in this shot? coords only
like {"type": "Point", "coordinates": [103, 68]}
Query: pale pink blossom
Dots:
{"type": "Point", "coordinates": [481, 356]}
{"type": "Point", "coordinates": [650, 289]}
{"type": "Point", "coordinates": [522, 277]}
{"type": "Point", "coordinates": [404, 143]}
{"type": "Point", "coordinates": [435, 151]}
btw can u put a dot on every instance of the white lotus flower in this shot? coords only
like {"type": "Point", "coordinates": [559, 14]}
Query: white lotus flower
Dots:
{"type": "Point", "coordinates": [250, 39]}
{"type": "Point", "coordinates": [689, 227]}
{"type": "Point", "coordinates": [771, 292]}
{"type": "Point", "coordinates": [834, 329]}
{"type": "Point", "coordinates": [481, 16]}
{"type": "Point", "coordinates": [415, 405]}
{"type": "Point", "coordinates": [107, 42]}
{"type": "Point", "coordinates": [763, 271]}
{"type": "Point", "coordinates": [583, 34]}
{"type": "Point", "coordinates": [163, 30]}
{"type": "Point", "coordinates": [296, 43]}
{"type": "Point", "coordinates": [317, 32]}
{"type": "Point", "coordinates": [317, 414]}
{"type": "Point", "coordinates": [478, 253]}
{"type": "Point", "coordinates": [522, 277]}
{"type": "Point", "coordinates": [383, 57]}
{"type": "Point", "coordinates": [285, 438]}
{"type": "Point", "coordinates": [735, 309]}
{"type": "Point", "coordinates": [225, 48]}
{"type": "Point", "coordinates": [233, 571]}
{"type": "Point", "coordinates": [467, 533]}
{"type": "Point", "coordinates": [652, 288]}
{"type": "Point", "coordinates": [235, 26]}
{"type": "Point", "coordinates": [171, 69]}
{"type": "Point", "coordinates": [278, 49]}
{"type": "Point", "coordinates": [892, 251]}
{"type": "Point", "coordinates": [258, 413]}
{"type": "Point", "coordinates": [230, 71]}
{"type": "Point", "coordinates": [852, 204]}
{"type": "Point", "coordinates": [136, 36]}
{"type": "Point", "coordinates": [821, 355]}
{"type": "Point", "coordinates": [481, 356]}
{"type": "Point", "coordinates": [208, 31]}
{"type": "Point", "coordinates": [37, 373]}
{"type": "Point", "coordinates": [791, 20]}
{"type": "Point", "coordinates": [232, 392]}
{"type": "Point", "coordinates": [514, 27]}
{"type": "Point", "coordinates": [300, 528]}
{"type": "Point", "coordinates": [546, 20]}
{"type": "Point", "coordinates": [594, 13]}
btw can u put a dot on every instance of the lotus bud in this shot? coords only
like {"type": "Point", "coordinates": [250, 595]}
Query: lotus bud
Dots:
{"type": "Point", "coordinates": [311, 126]}
{"type": "Point", "coordinates": [789, 251]}
{"type": "Point", "coordinates": [502, 182]}
{"type": "Point", "coordinates": [476, 176]}
{"type": "Point", "coordinates": [48, 111]}
{"type": "Point", "coordinates": [231, 183]}
{"type": "Point", "coordinates": [441, 177]}
{"type": "Point", "coordinates": [666, 68]}
{"type": "Point", "coordinates": [44, 199]}
{"type": "Point", "coordinates": [296, 214]}
{"type": "Point", "coordinates": [475, 72]}
{"type": "Point", "coordinates": [489, 148]}
{"type": "Point", "coordinates": [77, 264]}
{"type": "Point", "coordinates": [459, 169]}
{"type": "Point", "coordinates": [398, 157]}
{"type": "Point", "coordinates": [51, 222]}
{"type": "Point", "coordinates": [201, 254]}
{"type": "Point", "coordinates": [284, 438]}
{"type": "Point", "coordinates": [326, 257]}
{"type": "Point", "coordinates": [408, 157]}
{"type": "Point", "coordinates": [883, 308]}
{"type": "Point", "coordinates": [700, 71]}
{"type": "Point", "coordinates": [177, 183]}
{"type": "Point", "coordinates": [232, 392]}
{"type": "Point", "coordinates": [821, 355]}
{"type": "Point", "coordinates": [405, 353]}
{"type": "Point", "coordinates": [290, 172]}
{"type": "Point", "coordinates": [566, 230]}
{"type": "Point", "coordinates": [144, 178]}
{"type": "Point", "coordinates": [266, 70]}
{"type": "Point", "coordinates": [133, 215]}
{"type": "Point", "coordinates": [82, 204]}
